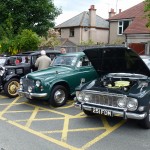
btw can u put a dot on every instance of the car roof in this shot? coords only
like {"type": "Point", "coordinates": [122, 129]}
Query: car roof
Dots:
{"type": "Point", "coordinates": [74, 54]}
{"type": "Point", "coordinates": [145, 56]}
{"type": "Point", "coordinates": [38, 52]}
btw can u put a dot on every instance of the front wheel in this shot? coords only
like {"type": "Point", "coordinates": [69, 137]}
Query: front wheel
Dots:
{"type": "Point", "coordinates": [11, 87]}
{"type": "Point", "coordinates": [59, 96]}
{"type": "Point", "coordinates": [145, 123]}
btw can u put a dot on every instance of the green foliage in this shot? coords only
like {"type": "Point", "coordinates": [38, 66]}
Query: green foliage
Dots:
{"type": "Point", "coordinates": [117, 41]}
{"type": "Point", "coordinates": [147, 11]}
{"type": "Point", "coordinates": [51, 40]}
{"type": "Point", "coordinates": [87, 43]}
{"type": "Point", "coordinates": [36, 15]}
{"type": "Point", "coordinates": [27, 40]}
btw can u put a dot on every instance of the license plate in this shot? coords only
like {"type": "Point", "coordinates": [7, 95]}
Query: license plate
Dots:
{"type": "Point", "coordinates": [102, 112]}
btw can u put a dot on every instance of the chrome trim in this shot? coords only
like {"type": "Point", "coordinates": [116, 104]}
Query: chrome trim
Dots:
{"type": "Point", "coordinates": [115, 112]}
{"type": "Point", "coordinates": [30, 95]}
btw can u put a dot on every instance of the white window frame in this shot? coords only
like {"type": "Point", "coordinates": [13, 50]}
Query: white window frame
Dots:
{"type": "Point", "coordinates": [121, 26]}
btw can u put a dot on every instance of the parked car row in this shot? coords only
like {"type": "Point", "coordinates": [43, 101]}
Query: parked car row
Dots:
{"type": "Point", "coordinates": [111, 81]}
{"type": "Point", "coordinates": [12, 68]}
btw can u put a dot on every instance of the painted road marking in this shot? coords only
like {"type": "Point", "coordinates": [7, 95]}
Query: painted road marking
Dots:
{"type": "Point", "coordinates": [67, 118]}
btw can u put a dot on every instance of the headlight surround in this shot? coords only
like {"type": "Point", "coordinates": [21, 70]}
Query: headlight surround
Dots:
{"type": "Point", "coordinates": [79, 96]}
{"type": "Point", "coordinates": [2, 71]}
{"type": "Point", "coordinates": [132, 104]}
{"type": "Point", "coordinates": [122, 102]}
{"type": "Point", "coordinates": [38, 83]}
{"type": "Point", "coordinates": [87, 97]}
{"type": "Point", "coordinates": [21, 81]}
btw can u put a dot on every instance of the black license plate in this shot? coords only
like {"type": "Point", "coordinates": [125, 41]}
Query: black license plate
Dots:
{"type": "Point", "coordinates": [102, 111]}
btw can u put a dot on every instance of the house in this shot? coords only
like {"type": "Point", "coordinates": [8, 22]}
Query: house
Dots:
{"type": "Point", "coordinates": [129, 27]}
{"type": "Point", "coordinates": [86, 26]}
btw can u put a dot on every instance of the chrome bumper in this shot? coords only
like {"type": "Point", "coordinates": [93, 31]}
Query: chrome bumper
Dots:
{"type": "Point", "coordinates": [30, 95]}
{"type": "Point", "coordinates": [123, 114]}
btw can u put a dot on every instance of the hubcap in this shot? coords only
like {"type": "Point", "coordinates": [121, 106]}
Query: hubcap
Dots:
{"type": "Point", "coordinates": [59, 96]}
{"type": "Point", "coordinates": [12, 88]}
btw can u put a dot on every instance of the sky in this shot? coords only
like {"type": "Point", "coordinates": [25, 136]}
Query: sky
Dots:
{"type": "Point", "coordinates": [71, 8]}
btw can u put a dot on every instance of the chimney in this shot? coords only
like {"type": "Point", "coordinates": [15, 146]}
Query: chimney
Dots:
{"type": "Point", "coordinates": [112, 13]}
{"type": "Point", "coordinates": [92, 16]}
{"type": "Point", "coordinates": [119, 11]}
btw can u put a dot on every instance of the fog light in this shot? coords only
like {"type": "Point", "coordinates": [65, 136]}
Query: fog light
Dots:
{"type": "Point", "coordinates": [141, 108]}
{"type": "Point", "coordinates": [29, 89]}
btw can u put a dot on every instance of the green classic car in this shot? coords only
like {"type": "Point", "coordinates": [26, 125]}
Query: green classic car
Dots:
{"type": "Point", "coordinates": [59, 81]}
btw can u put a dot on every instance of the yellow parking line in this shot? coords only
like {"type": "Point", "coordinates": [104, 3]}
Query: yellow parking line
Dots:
{"type": "Point", "coordinates": [32, 117]}
{"type": "Point", "coordinates": [105, 122]}
{"type": "Point", "coordinates": [50, 110]}
{"type": "Point", "coordinates": [65, 129]}
{"type": "Point", "coordinates": [19, 111]}
{"type": "Point", "coordinates": [41, 119]}
{"type": "Point", "coordinates": [108, 131]}
{"type": "Point", "coordinates": [74, 130]}
{"type": "Point", "coordinates": [57, 142]}
{"type": "Point", "coordinates": [9, 106]}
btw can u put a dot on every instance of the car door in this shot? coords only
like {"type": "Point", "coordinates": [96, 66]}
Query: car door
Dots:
{"type": "Point", "coordinates": [83, 71]}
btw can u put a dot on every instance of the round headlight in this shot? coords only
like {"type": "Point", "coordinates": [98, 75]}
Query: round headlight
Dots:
{"type": "Point", "coordinates": [38, 83]}
{"type": "Point", "coordinates": [21, 81]}
{"type": "Point", "coordinates": [122, 102]}
{"type": "Point", "coordinates": [87, 97]}
{"type": "Point", "coordinates": [29, 89]}
{"type": "Point", "coordinates": [132, 104]}
{"type": "Point", "coordinates": [79, 96]}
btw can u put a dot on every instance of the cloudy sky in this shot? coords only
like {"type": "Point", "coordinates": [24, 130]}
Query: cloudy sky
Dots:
{"type": "Point", "coordinates": [71, 8]}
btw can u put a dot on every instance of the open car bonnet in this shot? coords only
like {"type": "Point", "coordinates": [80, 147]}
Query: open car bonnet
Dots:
{"type": "Point", "coordinates": [116, 60]}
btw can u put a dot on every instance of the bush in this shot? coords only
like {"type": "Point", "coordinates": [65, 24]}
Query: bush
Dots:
{"type": "Point", "coordinates": [27, 40]}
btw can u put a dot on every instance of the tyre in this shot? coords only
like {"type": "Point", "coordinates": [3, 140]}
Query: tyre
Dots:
{"type": "Point", "coordinates": [11, 87]}
{"type": "Point", "coordinates": [88, 113]}
{"type": "Point", "coordinates": [59, 96]}
{"type": "Point", "coordinates": [145, 123]}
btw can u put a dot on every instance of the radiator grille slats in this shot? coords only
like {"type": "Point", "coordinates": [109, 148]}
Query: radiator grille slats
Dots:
{"type": "Point", "coordinates": [26, 83]}
{"type": "Point", "coordinates": [105, 99]}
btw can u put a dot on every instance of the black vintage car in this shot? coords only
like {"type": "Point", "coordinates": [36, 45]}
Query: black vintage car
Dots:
{"type": "Point", "coordinates": [123, 86]}
{"type": "Point", "coordinates": [14, 67]}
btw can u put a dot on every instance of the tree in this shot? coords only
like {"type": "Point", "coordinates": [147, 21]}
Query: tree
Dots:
{"type": "Point", "coordinates": [147, 11]}
{"type": "Point", "coordinates": [51, 40]}
{"type": "Point", "coordinates": [37, 15]}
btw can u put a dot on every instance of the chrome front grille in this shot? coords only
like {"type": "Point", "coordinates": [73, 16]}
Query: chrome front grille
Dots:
{"type": "Point", "coordinates": [104, 98]}
{"type": "Point", "coordinates": [27, 82]}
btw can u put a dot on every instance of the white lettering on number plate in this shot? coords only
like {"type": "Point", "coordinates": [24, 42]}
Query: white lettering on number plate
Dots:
{"type": "Point", "coordinates": [102, 111]}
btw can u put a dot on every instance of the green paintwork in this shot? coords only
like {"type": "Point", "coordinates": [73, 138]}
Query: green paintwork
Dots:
{"type": "Point", "coordinates": [69, 76]}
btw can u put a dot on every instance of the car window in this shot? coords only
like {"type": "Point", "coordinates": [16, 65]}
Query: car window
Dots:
{"type": "Point", "coordinates": [83, 62]}
{"type": "Point", "coordinates": [64, 60]}
{"type": "Point", "coordinates": [2, 60]}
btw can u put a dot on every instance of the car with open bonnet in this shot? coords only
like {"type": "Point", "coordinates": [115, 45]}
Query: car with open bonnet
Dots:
{"type": "Point", "coordinates": [123, 86]}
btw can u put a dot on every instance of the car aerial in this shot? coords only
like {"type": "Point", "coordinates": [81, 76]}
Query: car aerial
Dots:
{"type": "Point", "coordinates": [59, 81]}
{"type": "Point", "coordinates": [123, 86]}
{"type": "Point", "coordinates": [11, 70]}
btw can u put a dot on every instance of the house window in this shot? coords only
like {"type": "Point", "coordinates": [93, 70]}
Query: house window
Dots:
{"type": "Point", "coordinates": [71, 32]}
{"type": "Point", "coordinates": [122, 25]}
